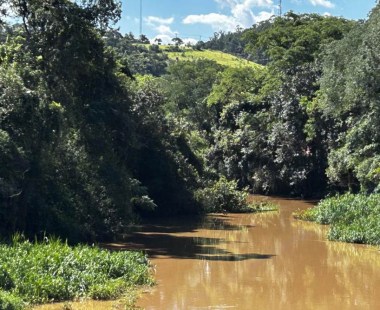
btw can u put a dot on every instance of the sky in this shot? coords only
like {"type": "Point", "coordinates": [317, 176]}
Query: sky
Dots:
{"type": "Point", "coordinates": [194, 20]}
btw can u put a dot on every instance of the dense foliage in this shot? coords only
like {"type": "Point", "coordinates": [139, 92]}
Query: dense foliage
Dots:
{"type": "Point", "coordinates": [353, 218]}
{"type": "Point", "coordinates": [349, 99]}
{"type": "Point", "coordinates": [263, 136]}
{"type": "Point", "coordinates": [235, 43]}
{"type": "Point", "coordinates": [83, 150]}
{"type": "Point", "coordinates": [230, 42]}
{"type": "Point", "coordinates": [134, 56]}
{"type": "Point", "coordinates": [310, 123]}
{"type": "Point", "coordinates": [53, 271]}
{"type": "Point", "coordinates": [98, 128]}
{"type": "Point", "coordinates": [348, 103]}
{"type": "Point", "coordinates": [86, 145]}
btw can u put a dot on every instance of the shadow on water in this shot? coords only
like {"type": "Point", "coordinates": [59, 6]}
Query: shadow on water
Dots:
{"type": "Point", "coordinates": [165, 240]}
{"type": "Point", "coordinates": [181, 225]}
{"type": "Point", "coordinates": [235, 257]}
{"type": "Point", "coordinates": [185, 247]}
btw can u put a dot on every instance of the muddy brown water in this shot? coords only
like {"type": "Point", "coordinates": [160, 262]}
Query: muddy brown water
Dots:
{"type": "Point", "coordinates": [253, 261]}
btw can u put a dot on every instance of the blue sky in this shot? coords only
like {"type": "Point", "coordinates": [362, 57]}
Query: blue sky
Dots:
{"type": "Point", "coordinates": [193, 20]}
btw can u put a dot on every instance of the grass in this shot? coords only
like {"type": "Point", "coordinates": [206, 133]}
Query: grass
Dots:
{"type": "Point", "coordinates": [353, 218]}
{"type": "Point", "coordinates": [221, 58]}
{"type": "Point", "coordinates": [35, 273]}
{"type": "Point", "coordinates": [190, 54]}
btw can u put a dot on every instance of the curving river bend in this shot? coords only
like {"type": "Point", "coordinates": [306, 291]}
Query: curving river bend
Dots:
{"type": "Point", "coordinates": [259, 261]}
{"type": "Point", "coordinates": [255, 261]}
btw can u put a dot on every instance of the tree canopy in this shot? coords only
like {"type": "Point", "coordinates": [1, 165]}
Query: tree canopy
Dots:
{"type": "Point", "coordinates": [98, 130]}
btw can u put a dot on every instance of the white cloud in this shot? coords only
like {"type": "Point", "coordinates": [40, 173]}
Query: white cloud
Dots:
{"type": "Point", "coordinates": [162, 27]}
{"type": "Point", "coordinates": [262, 16]}
{"type": "Point", "coordinates": [189, 41]}
{"type": "Point", "coordinates": [154, 20]}
{"type": "Point", "coordinates": [324, 3]}
{"type": "Point", "coordinates": [241, 14]}
{"type": "Point", "coordinates": [326, 14]}
{"type": "Point", "coordinates": [250, 3]}
{"type": "Point", "coordinates": [215, 20]}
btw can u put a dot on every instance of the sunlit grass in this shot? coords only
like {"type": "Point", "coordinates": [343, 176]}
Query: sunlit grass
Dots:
{"type": "Point", "coordinates": [190, 54]}
{"type": "Point", "coordinates": [221, 58]}
{"type": "Point", "coordinates": [34, 273]}
{"type": "Point", "coordinates": [353, 218]}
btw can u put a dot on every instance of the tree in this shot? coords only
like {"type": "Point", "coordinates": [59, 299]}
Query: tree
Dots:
{"type": "Point", "coordinates": [264, 136]}
{"type": "Point", "coordinates": [349, 99]}
{"type": "Point", "coordinates": [199, 46]}
{"type": "Point", "coordinates": [294, 39]}
{"type": "Point", "coordinates": [177, 41]}
{"type": "Point", "coordinates": [158, 41]}
{"type": "Point", "coordinates": [188, 84]}
{"type": "Point", "coordinates": [236, 85]}
{"type": "Point", "coordinates": [144, 39]}
{"type": "Point", "coordinates": [66, 123]}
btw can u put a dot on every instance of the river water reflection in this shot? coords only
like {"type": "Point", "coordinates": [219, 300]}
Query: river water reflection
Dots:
{"type": "Point", "coordinates": [253, 261]}
{"type": "Point", "coordinates": [257, 261]}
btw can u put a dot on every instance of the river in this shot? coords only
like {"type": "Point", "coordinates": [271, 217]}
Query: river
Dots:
{"type": "Point", "coordinates": [254, 261]}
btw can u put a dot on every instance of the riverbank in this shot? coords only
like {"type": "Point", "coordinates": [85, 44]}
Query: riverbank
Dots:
{"type": "Point", "coordinates": [353, 218]}
{"type": "Point", "coordinates": [52, 271]}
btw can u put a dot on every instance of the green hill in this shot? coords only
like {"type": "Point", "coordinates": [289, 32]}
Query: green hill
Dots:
{"type": "Point", "coordinates": [224, 59]}
{"type": "Point", "coordinates": [187, 53]}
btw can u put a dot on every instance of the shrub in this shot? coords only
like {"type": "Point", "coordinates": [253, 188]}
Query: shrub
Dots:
{"type": "Point", "coordinates": [224, 196]}
{"type": "Point", "coordinates": [54, 271]}
{"type": "Point", "coordinates": [9, 301]}
{"type": "Point", "coordinates": [353, 218]}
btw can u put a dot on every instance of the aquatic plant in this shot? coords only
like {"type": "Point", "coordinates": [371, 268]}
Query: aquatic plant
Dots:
{"type": "Point", "coordinates": [35, 272]}
{"type": "Point", "coordinates": [353, 217]}
{"type": "Point", "coordinates": [262, 206]}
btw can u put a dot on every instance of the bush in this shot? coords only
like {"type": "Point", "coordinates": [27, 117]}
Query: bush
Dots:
{"type": "Point", "coordinates": [54, 271]}
{"type": "Point", "coordinates": [353, 218]}
{"type": "Point", "coordinates": [224, 196]}
{"type": "Point", "coordinates": [9, 301]}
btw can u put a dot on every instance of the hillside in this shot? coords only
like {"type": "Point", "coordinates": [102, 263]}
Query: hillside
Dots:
{"type": "Point", "coordinates": [224, 59]}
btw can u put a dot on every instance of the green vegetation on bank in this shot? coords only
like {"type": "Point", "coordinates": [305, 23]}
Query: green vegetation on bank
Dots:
{"type": "Point", "coordinates": [100, 129]}
{"type": "Point", "coordinates": [52, 271]}
{"type": "Point", "coordinates": [224, 196]}
{"type": "Point", "coordinates": [86, 146]}
{"type": "Point", "coordinates": [348, 103]}
{"type": "Point", "coordinates": [353, 218]}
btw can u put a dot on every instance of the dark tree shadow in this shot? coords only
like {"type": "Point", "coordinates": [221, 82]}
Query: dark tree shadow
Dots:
{"type": "Point", "coordinates": [181, 225]}
{"type": "Point", "coordinates": [235, 257]}
{"type": "Point", "coordinates": [159, 240]}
